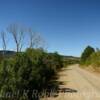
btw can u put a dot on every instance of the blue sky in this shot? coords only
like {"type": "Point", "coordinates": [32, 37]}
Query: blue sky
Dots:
{"type": "Point", "coordinates": [68, 26]}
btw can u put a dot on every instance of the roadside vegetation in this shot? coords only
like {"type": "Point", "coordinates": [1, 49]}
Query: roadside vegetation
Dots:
{"type": "Point", "coordinates": [91, 57]}
{"type": "Point", "coordinates": [28, 70]}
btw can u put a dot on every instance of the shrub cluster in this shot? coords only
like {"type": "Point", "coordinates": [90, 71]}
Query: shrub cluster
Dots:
{"type": "Point", "coordinates": [90, 56]}
{"type": "Point", "coordinates": [29, 70]}
{"type": "Point", "coordinates": [94, 60]}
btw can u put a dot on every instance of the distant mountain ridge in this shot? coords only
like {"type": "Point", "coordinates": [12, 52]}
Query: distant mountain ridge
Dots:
{"type": "Point", "coordinates": [70, 57]}
{"type": "Point", "coordinates": [10, 53]}
{"type": "Point", "coordinates": [7, 52]}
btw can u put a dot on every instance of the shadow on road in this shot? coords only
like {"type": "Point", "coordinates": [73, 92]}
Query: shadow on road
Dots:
{"type": "Point", "coordinates": [54, 87]}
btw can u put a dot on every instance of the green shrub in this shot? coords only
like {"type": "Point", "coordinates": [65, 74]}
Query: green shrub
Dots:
{"type": "Point", "coordinates": [95, 59]}
{"type": "Point", "coordinates": [30, 70]}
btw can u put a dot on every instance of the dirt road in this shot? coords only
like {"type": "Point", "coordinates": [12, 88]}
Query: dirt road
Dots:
{"type": "Point", "coordinates": [78, 84]}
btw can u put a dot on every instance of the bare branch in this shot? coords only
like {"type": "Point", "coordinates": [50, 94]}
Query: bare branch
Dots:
{"type": "Point", "coordinates": [3, 37]}
{"type": "Point", "coordinates": [18, 35]}
{"type": "Point", "coordinates": [35, 40]}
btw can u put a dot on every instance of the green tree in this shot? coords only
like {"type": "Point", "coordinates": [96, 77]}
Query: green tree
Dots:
{"type": "Point", "coordinates": [87, 53]}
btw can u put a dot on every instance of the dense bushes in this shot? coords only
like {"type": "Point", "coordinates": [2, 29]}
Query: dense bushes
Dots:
{"type": "Point", "coordinates": [29, 70]}
{"type": "Point", "coordinates": [94, 59]}
{"type": "Point", "coordinates": [91, 58]}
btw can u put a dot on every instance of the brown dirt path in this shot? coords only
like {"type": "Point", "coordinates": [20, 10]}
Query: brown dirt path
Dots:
{"type": "Point", "coordinates": [78, 84]}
